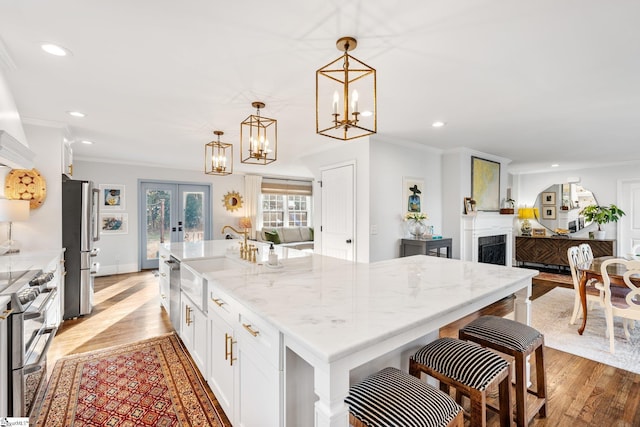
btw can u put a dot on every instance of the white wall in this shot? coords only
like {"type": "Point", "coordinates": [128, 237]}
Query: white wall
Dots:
{"type": "Point", "coordinates": [119, 253]}
{"type": "Point", "coordinates": [603, 182]}
{"type": "Point", "coordinates": [43, 231]}
{"type": "Point", "coordinates": [391, 162]}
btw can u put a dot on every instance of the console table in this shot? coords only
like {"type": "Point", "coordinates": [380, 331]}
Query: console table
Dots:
{"type": "Point", "coordinates": [553, 250]}
{"type": "Point", "coordinates": [410, 247]}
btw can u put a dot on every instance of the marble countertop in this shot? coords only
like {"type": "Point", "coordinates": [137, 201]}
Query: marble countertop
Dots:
{"type": "Point", "coordinates": [28, 260]}
{"type": "Point", "coordinates": [335, 307]}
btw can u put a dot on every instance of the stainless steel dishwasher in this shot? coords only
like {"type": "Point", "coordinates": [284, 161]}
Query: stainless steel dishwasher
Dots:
{"type": "Point", "coordinates": [174, 292]}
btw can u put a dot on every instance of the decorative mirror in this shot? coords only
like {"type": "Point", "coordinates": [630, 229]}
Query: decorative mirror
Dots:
{"type": "Point", "coordinates": [232, 201]}
{"type": "Point", "coordinates": [558, 208]}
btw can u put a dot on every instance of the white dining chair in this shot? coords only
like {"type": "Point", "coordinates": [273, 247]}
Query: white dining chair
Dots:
{"type": "Point", "coordinates": [575, 257]}
{"type": "Point", "coordinates": [587, 253]}
{"type": "Point", "coordinates": [627, 307]}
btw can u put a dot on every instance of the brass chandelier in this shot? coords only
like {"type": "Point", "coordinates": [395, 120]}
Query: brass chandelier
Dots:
{"type": "Point", "coordinates": [352, 81]}
{"type": "Point", "coordinates": [258, 138]}
{"type": "Point", "coordinates": [218, 157]}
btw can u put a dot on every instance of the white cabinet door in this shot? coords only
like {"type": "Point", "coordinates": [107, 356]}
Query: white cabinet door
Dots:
{"type": "Point", "coordinates": [186, 322]}
{"type": "Point", "coordinates": [222, 365]}
{"type": "Point", "coordinates": [200, 340]}
{"type": "Point", "coordinates": [164, 273]}
{"type": "Point", "coordinates": [259, 390]}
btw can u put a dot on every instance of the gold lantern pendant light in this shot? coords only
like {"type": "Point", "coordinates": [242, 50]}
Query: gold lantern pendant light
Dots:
{"type": "Point", "coordinates": [258, 138]}
{"type": "Point", "coordinates": [354, 82]}
{"type": "Point", "coordinates": [218, 157]}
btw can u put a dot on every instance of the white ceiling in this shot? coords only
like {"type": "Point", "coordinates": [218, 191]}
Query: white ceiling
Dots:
{"type": "Point", "coordinates": [538, 82]}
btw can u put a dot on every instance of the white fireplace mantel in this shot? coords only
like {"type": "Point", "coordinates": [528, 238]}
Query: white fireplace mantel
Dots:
{"type": "Point", "coordinates": [484, 224]}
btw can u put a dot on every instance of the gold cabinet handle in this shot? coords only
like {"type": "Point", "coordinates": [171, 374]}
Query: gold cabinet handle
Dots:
{"type": "Point", "coordinates": [218, 302]}
{"type": "Point", "coordinates": [163, 274]}
{"type": "Point", "coordinates": [187, 315]}
{"type": "Point", "coordinates": [250, 329]}
{"type": "Point", "coordinates": [228, 348]}
{"type": "Point", "coordinates": [163, 296]}
{"type": "Point", "coordinates": [6, 314]}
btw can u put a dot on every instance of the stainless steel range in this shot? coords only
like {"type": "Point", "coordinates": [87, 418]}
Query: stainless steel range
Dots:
{"type": "Point", "coordinates": [31, 292]}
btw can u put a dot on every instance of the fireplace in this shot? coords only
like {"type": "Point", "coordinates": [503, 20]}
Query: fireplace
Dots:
{"type": "Point", "coordinates": [498, 249]}
{"type": "Point", "coordinates": [493, 249]}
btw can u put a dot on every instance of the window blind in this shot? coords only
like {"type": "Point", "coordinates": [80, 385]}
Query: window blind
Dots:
{"type": "Point", "coordinates": [288, 187]}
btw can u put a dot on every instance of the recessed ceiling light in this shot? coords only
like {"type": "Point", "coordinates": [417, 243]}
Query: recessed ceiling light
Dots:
{"type": "Point", "coordinates": [366, 113]}
{"type": "Point", "coordinates": [555, 165]}
{"type": "Point", "coordinates": [54, 49]}
{"type": "Point", "coordinates": [86, 141]}
{"type": "Point", "coordinates": [76, 113]}
{"type": "Point", "coordinates": [437, 124]}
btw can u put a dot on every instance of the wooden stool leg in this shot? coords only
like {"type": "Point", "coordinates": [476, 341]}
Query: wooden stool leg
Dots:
{"type": "Point", "coordinates": [506, 408]}
{"type": "Point", "coordinates": [541, 383]}
{"type": "Point", "coordinates": [478, 409]}
{"type": "Point", "coordinates": [521, 390]}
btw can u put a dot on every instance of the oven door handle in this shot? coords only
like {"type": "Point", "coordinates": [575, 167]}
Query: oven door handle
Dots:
{"type": "Point", "coordinates": [28, 315]}
{"type": "Point", "coordinates": [34, 367]}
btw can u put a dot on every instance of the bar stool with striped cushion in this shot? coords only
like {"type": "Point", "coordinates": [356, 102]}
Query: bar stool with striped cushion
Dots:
{"type": "Point", "coordinates": [391, 398]}
{"type": "Point", "coordinates": [471, 370]}
{"type": "Point", "coordinates": [519, 341]}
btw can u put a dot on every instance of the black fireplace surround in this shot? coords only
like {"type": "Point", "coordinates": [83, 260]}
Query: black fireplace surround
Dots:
{"type": "Point", "coordinates": [493, 249]}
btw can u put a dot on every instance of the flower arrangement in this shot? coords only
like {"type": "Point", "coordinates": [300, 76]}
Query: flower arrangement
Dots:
{"type": "Point", "coordinates": [416, 216]}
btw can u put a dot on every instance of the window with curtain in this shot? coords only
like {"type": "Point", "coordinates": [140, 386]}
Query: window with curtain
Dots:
{"type": "Point", "coordinates": [286, 203]}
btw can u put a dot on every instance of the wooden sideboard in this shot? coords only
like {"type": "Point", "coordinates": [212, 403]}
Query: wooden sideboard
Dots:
{"type": "Point", "coordinates": [553, 250]}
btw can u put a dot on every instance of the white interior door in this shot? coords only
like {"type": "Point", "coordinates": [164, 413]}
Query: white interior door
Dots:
{"type": "Point", "coordinates": [629, 225]}
{"type": "Point", "coordinates": [338, 214]}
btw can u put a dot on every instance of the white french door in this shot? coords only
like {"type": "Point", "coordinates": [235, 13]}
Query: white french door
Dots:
{"type": "Point", "coordinates": [172, 212]}
{"type": "Point", "coordinates": [338, 215]}
{"type": "Point", "coordinates": [629, 224]}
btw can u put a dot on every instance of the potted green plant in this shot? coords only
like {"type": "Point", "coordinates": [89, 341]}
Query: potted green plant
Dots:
{"type": "Point", "coordinates": [602, 215]}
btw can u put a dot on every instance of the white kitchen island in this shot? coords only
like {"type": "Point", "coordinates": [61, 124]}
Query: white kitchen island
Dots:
{"type": "Point", "coordinates": [335, 322]}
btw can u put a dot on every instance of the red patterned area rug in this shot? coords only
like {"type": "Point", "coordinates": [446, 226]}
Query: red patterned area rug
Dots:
{"type": "Point", "coordinates": [147, 383]}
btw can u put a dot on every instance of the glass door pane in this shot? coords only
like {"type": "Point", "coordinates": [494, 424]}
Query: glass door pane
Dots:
{"type": "Point", "coordinates": [194, 213]}
{"type": "Point", "coordinates": [158, 204]}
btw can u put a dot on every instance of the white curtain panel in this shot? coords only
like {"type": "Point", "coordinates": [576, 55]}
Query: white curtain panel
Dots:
{"type": "Point", "coordinates": [252, 191]}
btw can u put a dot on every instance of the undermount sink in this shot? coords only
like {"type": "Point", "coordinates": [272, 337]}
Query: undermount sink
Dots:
{"type": "Point", "coordinates": [217, 264]}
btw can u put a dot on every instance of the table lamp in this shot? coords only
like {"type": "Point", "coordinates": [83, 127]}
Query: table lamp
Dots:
{"type": "Point", "coordinates": [525, 214]}
{"type": "Point", "coordinates": [245, 222]}
{"type": "Point", "coordinates": [10, 211]}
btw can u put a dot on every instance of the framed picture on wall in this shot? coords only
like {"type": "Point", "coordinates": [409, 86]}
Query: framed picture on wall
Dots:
{"type": "Point", "coordinates": [112, 197]}
{"type": "Point", "coordinates": [485, 184]}
{"type": "Point", "coordinates": [548, 212]}
{"type": "Point", "coordinates": [114, 223]}
{"type": "Point", "coordinates": [548, 198]}
{"type": "Point", "coordinates": [412, 195]}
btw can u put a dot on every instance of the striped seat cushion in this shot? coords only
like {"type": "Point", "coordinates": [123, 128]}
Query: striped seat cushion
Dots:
{"type": "Point", "coordinates": [462, 361]}
{"type": "Point", "coordinates": [391, 397]}
{"type": "Point", "coordinates": [501, 331]}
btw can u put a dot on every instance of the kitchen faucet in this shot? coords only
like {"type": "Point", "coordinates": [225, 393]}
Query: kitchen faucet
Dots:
{"type": "Point", "coordinates": [247, 252]}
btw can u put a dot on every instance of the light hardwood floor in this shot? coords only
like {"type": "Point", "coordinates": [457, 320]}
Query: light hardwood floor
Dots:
{"type": "Point", "coordinates": [581, 392]}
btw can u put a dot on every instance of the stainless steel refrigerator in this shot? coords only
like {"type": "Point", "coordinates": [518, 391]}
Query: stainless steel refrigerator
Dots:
{"type": "Point", "coordinates": [80, 230]}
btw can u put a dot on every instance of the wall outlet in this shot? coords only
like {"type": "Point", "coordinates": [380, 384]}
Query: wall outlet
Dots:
{"type": "Point", "coordinates": [374, 229]}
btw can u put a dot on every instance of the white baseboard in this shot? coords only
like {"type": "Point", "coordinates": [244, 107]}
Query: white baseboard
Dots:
{"type": "Point", "coordinates": [108, 270]}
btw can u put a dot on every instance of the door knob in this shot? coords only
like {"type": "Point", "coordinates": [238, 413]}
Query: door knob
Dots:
{"type": "Point", "coordinates": [348, 240]}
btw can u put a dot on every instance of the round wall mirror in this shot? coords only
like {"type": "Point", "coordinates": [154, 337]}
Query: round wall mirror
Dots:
{"type": "Point", "coordinates": [558, 208]}
{"type": "Point", "coordinates": [232, 201]}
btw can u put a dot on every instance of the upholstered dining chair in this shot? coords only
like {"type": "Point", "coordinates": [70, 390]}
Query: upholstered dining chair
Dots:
{"type": "Point", "coordinates": [575, 255]}
{"type": "Point", "coordinates": [628, 307]}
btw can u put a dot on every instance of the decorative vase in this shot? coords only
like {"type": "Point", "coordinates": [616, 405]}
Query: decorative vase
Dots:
{"type": "Point", "coordinates": [600, 235]}
{"type": "Point", "coordinates": [417, 228]}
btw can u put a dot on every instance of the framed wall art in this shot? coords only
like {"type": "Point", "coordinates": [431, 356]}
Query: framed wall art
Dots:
{"type": "Point", "coordinates": [485, 184]}
{"type": "Point", "coordinates": [548, 212]}
{"type": "Point", "coordinates": [412, 195]}
{"type": "Point", "coordinates": [112, 197]}
{"type": "Point", "coordinates": [548, 198]}
{"type": "Point", "coordinates": [114, 223]}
